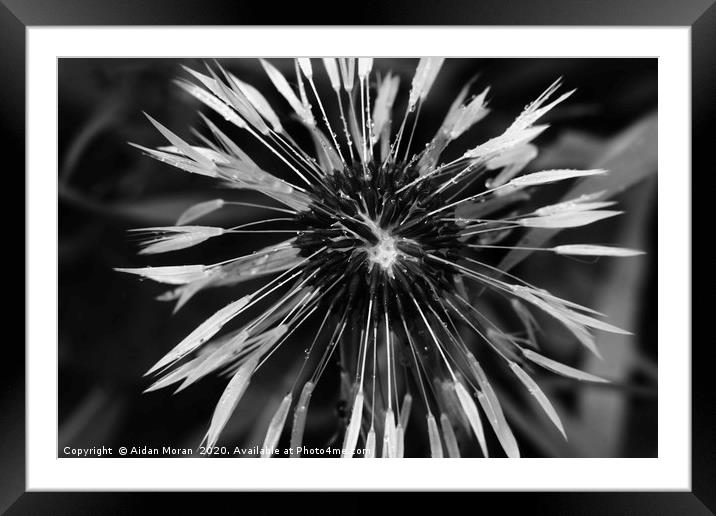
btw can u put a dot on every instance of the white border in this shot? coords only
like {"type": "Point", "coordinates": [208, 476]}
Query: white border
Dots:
{"type": "Point", "coordinates": [670, 471]}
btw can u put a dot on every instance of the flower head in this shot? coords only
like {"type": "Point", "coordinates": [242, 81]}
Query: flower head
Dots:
{"type": "Point", "coordinates": [388, 251]}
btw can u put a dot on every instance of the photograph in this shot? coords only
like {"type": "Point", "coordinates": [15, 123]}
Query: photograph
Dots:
{"type": "Point", "coordinates": [357, 257]}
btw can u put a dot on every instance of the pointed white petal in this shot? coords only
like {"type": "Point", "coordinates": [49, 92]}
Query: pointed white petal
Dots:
{"type": "Point", "coordinates": [299, 419]}
{"type": "Point", "coordinates": [211, 154]}
{"type": "Point", "coordinates": [425, 74]}
{"type": "Point", "coordinates": [259, 102]}
{"type": "Point", "coordinates": [331, 67]}
{"type": "Point", "coordinates": [559, 368]}
{"type": "Point", "coordinates": [199, 210]}
{"type": "Point", "coordinates": [555, 307]}
{"type": "Point", "coordinates": [382, 109]}
{"type": "Point", "coordinates": [348, 72]}
{"type": "Point", "coordinates": [306, 67]}
{"type": "Point", "coordinates": [171, 275]}
{"type": "Point", "coordinates": [473, 416]}
{"type": "Point", "coordinates": [595, 250]}
{"type": "Point", "coordinates": [538, 395]}
{"type": "Point", "coordinates": [202, 333]}
{"type": "Point", "coordinates": [390, 439]}
{"type": "Point", "coordinates": [469, 114]}
{"type": "Point", "coordinates": [537, 109]}
{"type": "Point", "coordinates": [451, 445]}
{"type": "Point", "coordinates": [181, 145]}
{"type": "Point", "coordinates": [213, 102]}
{"type": "Point", "coordinates": [172, 377]}
{"type": "Point", "coordinates": [505, 141]}
{"type": "Point", "coordinates": [365, 64]}
{"type": "Point", "coordinates": [229, 399]}
{"type": "Point", "coordinates": [436, 447]}
{"type": "Point", "coordinates": [405, 410]}
{"type": "Point", "coordinates": [512, 161]}
{"type": "Point", "coordinates": [399, 441]}
{"type": "Point", "coordinates": [282, 85]}
{"type": "Point", "coordinates": [572, 207]}
{"type": "Point", "coordinates": [567, 220]}
{"type": "Point", "coordinates": [595, 323]}
{"type": "Point", "coordinates": [178, 237]}
{"type": "Point", "coordinates": [493, 410]}
{"type": "Point", "coordinates": [351, 439]}
{"type": "Point", "coordinates": [211, 359]}
{"type": "Point", "coordinates": [178, 161]}
{"type": "Point", "coordinates": [273, 434]}
{"type": "Point", "coordinates": [550, 176]}
{"type": "Point", "coordinates": [370, 444]}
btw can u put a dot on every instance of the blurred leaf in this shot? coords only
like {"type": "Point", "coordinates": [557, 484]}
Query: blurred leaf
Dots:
{"type": "Point", "coordinates": [159, 209]}
{"type": "Point", "coordinates": [603, 429]}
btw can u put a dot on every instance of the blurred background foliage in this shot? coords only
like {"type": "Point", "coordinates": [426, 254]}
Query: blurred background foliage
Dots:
{"type": "Point", "coordinates": [111, 329]}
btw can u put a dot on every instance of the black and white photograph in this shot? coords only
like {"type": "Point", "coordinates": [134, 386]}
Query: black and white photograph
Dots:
{"type": "Point", "coordinates": [458, 238]}
{"type": "Point", "coordinates": [357, 257]}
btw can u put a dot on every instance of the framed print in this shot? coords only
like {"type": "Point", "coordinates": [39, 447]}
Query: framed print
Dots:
{"type": "Point", "coordinates": [458, 246]}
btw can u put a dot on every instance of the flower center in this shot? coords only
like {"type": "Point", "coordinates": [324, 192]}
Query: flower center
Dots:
{"type": "Point", "coordinates": [373, 235]}
{"type": "Point", "coordinates": [384, 253]}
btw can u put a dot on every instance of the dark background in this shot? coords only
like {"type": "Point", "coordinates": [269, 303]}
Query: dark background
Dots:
{"type": "Point", "coordinates": [111, 329]}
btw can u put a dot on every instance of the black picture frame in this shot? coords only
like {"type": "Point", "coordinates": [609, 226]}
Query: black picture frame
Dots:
{"type": "Point", "coordinates": [17, 15]}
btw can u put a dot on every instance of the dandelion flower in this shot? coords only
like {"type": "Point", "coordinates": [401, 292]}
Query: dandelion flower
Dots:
{"type": "Point", "coordinates": [387, 251]}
